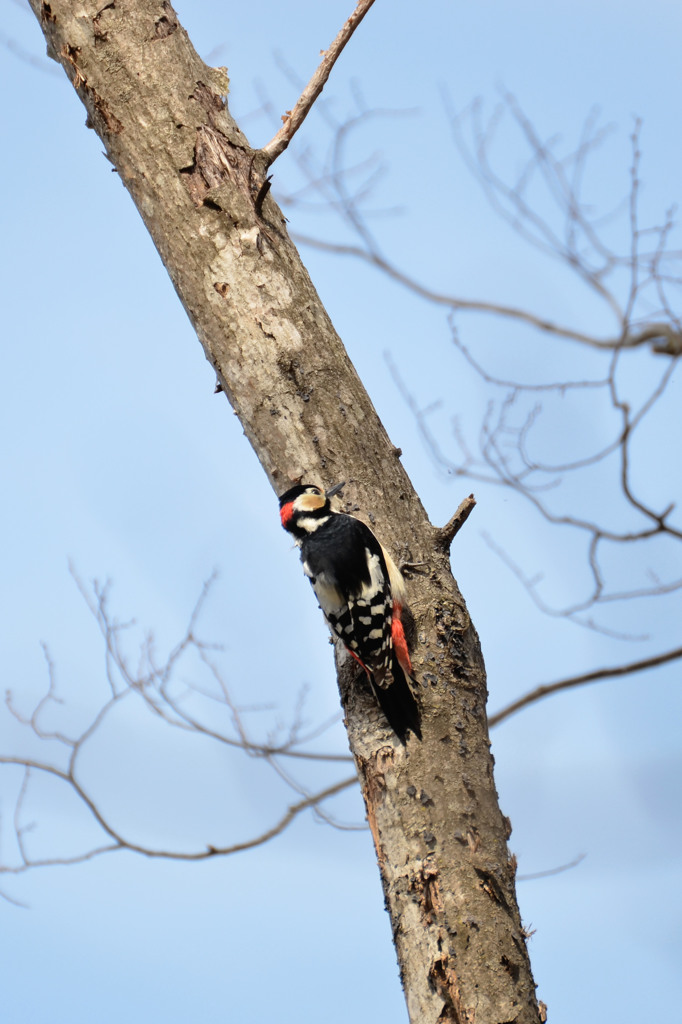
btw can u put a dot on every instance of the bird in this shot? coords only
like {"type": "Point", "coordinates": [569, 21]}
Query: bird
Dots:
{"type": "Point", "coordinates": [361, 593]}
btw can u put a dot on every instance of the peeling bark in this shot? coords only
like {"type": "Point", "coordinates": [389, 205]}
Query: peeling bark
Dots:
{"type": "Point", "coordinates": [439, 834]}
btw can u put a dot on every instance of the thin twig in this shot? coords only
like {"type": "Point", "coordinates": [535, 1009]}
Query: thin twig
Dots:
{"type": "Point", "coordinates": [588, 677]}
{"type": "Point", "coordinates": [552, 871]}
{"type": "Point", "coordinates": [294, 119]}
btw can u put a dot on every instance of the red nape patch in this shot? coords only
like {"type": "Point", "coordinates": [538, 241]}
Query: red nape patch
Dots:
{"type": "Point", "coordinates": [286, 512]}
{"type": "Point", "coordinates": [399, 641]}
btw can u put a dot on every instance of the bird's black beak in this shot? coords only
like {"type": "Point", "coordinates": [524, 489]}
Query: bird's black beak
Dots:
{"type": "Point", "coordinates": [335, 489]}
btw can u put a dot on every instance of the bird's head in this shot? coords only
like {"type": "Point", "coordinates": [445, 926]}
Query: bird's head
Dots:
{"type": "Point", "coordinates": [305, 507]}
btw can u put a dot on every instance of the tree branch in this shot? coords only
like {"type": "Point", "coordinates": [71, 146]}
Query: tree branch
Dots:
{"type": "Point", "coordinates": [532, 876]}
{"type": "Point", "coordinates": [293, 119]}
{"type": "Point", "coordinates": [119, 842]}
{"type": "Point", "coordinates": [447, 533]}
{"type": "Point", "coordinates": [587, 677]}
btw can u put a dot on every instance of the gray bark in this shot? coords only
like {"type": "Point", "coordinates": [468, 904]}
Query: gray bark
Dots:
{"type": "Point", "coordinates": [440, 837]}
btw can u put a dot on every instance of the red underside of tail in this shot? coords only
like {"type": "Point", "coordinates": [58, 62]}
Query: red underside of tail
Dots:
{"type": "Point", "coordinates": [399, 641]}
{"type": "Point", "coordinates": [360, 663]}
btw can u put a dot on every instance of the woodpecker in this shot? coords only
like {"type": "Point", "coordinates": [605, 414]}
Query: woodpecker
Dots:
{"type": "Point", "coordinates": [361, 594]}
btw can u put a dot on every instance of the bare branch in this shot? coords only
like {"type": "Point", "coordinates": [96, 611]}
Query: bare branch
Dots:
{"type": "Point", "coordinates": [577, 243]}
{"type": "Point", "coordinates": [293, 119]}
{"type": "Point", "coordinates": [51, 696]}
{"type": "Point", "coordinates": [40, 63]}
{"type": "Point", "coordinates": [587, 677]}
{"type": "Point", "coordinates": [153, 684]}
{"type": "Point", "coordinates": [458, 303]}
{"type": "Point", "coordinates": [120, 843]}
{"type": "Point", "coordinates": [448, 533]}
{"type": "Point", "coordinates": [552, 871]}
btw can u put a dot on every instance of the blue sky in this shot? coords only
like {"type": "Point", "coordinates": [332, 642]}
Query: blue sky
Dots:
{"type": "Point", "coordinates": [117, 456]}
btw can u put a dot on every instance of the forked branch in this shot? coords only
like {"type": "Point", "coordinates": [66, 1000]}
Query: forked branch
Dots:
{"type": "Point", "coordinates": [189, 707]}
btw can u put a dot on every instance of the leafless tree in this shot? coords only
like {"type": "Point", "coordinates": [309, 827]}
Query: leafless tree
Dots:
{"type": "Point", "coordinates": [213, 174]}
{"type": "Point", "coordinates": [204, 195]}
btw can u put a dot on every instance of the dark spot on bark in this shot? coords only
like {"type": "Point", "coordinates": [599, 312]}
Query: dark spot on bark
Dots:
{"type": "Point", "coordinates": [163, 28]}
{"type": "Point", "coordinates": [512, 969]}
{"type": "Point", "coordinates": [212, 205]}
{"type": "Point", "coordinates": [444, 980]}
{"type": "Point", "coordinates": [46, 14]}
{"type": "Point", "coordinates": [292, 369]}
{"type": "Point", "coordinates": [211, 102]}
{"type": "Point", "coordinates": [491, 887]}
{"type": "Point", "coordinates": [261, 194]}
{"type": "Point", "coordinates": [468, 786]}
{"type": "Point", "coordinates": [101, 33]}
{"type": "Point", "coordinates": [165, 25]}
{"type": "Point", "coordinates": [109, 123]}
{"type": "Point", "coordinates": [222, 288]}
{"type": "Point", "coordinates": [288, 367]}
{"type": "Point", "coordinates": [426, 887]}
{"type": "Point", "coordinates": [411, 791]}
{"type": "Point", "coordinates": [216, 161]}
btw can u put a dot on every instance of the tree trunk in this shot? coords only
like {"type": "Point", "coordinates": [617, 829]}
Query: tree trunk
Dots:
{"type": "Point", "coordinates": [439, 834]}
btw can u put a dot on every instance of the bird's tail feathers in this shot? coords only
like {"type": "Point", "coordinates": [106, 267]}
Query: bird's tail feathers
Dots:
{"type": "Point", "coordinates": [398, 702]}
